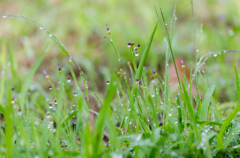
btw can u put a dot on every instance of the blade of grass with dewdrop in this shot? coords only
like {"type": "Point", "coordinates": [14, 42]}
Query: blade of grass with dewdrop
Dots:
{"type": "Point", "coordinates": [206, 102]}
{"type": "Point", "coordinates": [186, 99]}
{"type": "Point", "coordinates": [29, 79]}
{"type": "Point", "coordinates": [215, 108]}
{"type": "Point", "coordinates": [99, 124]}
{"type": "Point", "coordinates": [226, 123]}
{"type": "Point", "coordinates": [59, 44]}
{"type": "Point", "coordinates": [169, 42]}
{"type": "Point", "coordinates": [230, 117]}
{"type": "Point", "coordinates": [231, 134]}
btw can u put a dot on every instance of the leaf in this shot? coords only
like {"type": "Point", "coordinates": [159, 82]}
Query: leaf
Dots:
{"type": "Point", "coordinates": [232, 133]}
{"type": "Point", "coordinates": [206, 101]}
{"type": "Point", "coordinates": [224, 127]}
{"type": "Point", "coordinates": [145, 53]}
{"type": "Point", "coordinates": [237, 83]}
{"type": "Point", "coordinates": [29, 79]}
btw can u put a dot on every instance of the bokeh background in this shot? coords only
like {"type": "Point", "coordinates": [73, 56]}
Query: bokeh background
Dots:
{"type": "Point", "coordinates": [81, 24]}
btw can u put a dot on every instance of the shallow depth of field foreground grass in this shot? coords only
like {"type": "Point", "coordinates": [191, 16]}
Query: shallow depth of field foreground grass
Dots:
{"type": "Point", "coordinates": [140, 115]}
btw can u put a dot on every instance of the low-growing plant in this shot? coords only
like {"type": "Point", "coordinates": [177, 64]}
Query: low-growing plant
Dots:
{"type": "Point", "coordinates": [139, 116]}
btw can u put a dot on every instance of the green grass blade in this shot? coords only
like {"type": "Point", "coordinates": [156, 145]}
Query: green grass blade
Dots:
{"type": "Point", "coordinates": [102, 115]}
{"type": "Point", "coordinates": [231, 134]}
{"type": "Point", "coordinates": [145, 53]}
{"type": "Point", "coordinates": [225, 125]}
{"type": "Point", "coordinates": [29, 79]}
{"type": "Point", "coordinates": [206, 102]}
{"type": "Point", "coordinates": [237, 82]}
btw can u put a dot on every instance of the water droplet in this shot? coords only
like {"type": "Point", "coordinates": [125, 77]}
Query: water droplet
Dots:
{"type": "Point", "coordinates": [107, 82]}
{"type": "Point", "coordinates": [68, 81]}
{"type": "Point", "coordinates": [50, 152]}
{"type": "Point", "coordinates": [224, 51]}
{"type": "Point", "coordinates": [165, 39]}
{"type": "Point", "coordinates": [41, 28]}
{"type": "Point", "coordinates": [50, 35]}
{"type": "Point", "coordinates": [170, 114]}
{"type": "Point", "coordinates": [214, 55]}
{"type": "Point", "coordinates": [75, 94]}
{"type": "Point", "coordinates": [36, 123]}
{"type": "Point", "coordinates": [230, 33]}
{"type": "Point", "coordinates": [129, 109]}
{"type": "Point", "coordinates": [19, 112]}
{"type": "Point", "coordinates": [175, 18]}
{"type": "Point", "coordinates": [166, 24]}
{"type": "Point", "coordinates": [4, 16]}
{"type": "Point", "coordinates": [21, 142]}
{"type": "Point", "coordinates": [197, 50]}
{"type": "Point", "coordinates": [138, 137]}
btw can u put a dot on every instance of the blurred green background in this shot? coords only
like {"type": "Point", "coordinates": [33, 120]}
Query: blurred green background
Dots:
{"type": "Point", "coordinates": [81, 25]}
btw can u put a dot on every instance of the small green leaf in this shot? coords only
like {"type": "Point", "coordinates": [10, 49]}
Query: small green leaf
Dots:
{"type": "Point", "coordinates": [206, 102]}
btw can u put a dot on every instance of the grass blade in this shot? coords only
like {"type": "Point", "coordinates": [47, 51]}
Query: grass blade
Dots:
{"type": "Point", "coordinates": [29, 79]}
{"type": "Point", "coordinates": [224, 127]}
{"type": "Point", "coordinates": [206, 101]}
{"type": "Point", "coordinates": [145, 53]}
{"type": "Point", "coordinates": [237, 82]}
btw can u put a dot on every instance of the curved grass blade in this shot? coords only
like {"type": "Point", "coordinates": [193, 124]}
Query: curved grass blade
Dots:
{"type": "Point", "coordinates": [231, 134]}
{"type": "Point", "coordinates": [205, 103]}
{"type": "Point", "coordinates": [58, 42]}
{"type": "Point", "coordinates": [224, 127]}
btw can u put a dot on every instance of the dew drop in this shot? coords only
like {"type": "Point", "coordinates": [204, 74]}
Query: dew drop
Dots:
{"type": "Point", "coordinates": [19, 112]}
{"type": "Point", "coordinates": [214, 55]}
{"type": "Point", "coordinates": [50, 35]}
{"type": "Point", "coordinates": [4, 16]}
